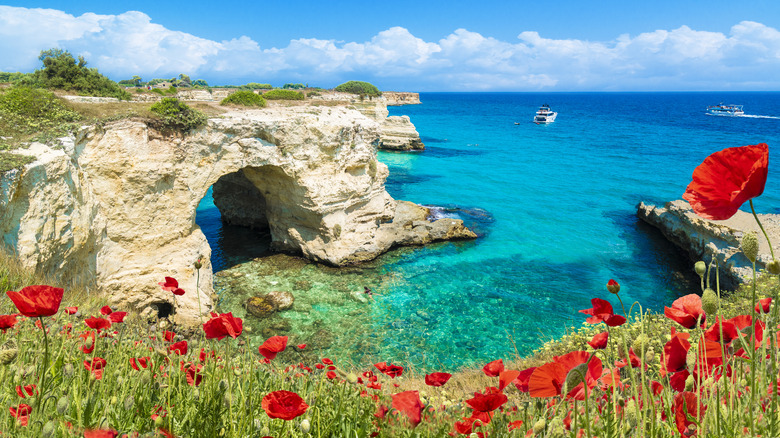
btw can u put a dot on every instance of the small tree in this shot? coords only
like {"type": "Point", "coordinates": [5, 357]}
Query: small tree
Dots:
{"type": "Point", "coordinates": [244, 98]}
{"type": "Point", "coordinates": [177, 115]}
{"type": "Point", "coordinates": [61, 71]}
{"type": "Point", "coordinates": [360, 88]}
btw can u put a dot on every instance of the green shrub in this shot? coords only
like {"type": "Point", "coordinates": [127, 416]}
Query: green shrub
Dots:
{"type": "Point", "coordinates": [60, 71]}
{"type": "Point", "coordinates": [25, 111]}
{"type": "Point", "coordinates": [293, 86]}
{"type": "Point", "coordinates": [177, 115]}
{"type": "Point", "coordinates": [360, 88]}
{"type": "Point", "coordinates": [283, 95]}
{"type": "Point", "coordinates": [256, 86]}
{"type": "Point", "coordinates": [244, 98]}
{"type": "Point", "coordinates": [158, 91]}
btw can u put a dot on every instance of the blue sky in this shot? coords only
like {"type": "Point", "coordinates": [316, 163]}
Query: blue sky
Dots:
{"type": "Point", "coordinates": [413, 45]}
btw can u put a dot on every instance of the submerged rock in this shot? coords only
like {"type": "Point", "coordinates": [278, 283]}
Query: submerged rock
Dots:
{"type": "Point", "coordinates": [283, 300]}
{"type": "Point", "coordinates": [261, 307]}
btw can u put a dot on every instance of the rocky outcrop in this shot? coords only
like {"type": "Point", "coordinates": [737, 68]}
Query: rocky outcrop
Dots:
{"type": "Point", "coordinates": [705, 239]}
{"type": "Point", "coordinates": [399, 134]}
{"type": "Point", "coordinates": [396, 132]}
{"type": "Point", "coordinates": [115, 206]}
{"type": "Point", "coordinates": [401, 98]}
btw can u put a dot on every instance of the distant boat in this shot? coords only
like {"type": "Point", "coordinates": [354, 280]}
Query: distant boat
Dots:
{"type": "Point", "coordinates": [545, 115]}
{"type": "Point", "coordinates": [725, 110]}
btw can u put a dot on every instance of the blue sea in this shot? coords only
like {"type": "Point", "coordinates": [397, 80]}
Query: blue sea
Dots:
{"type": "Point", "coordinates": [554, 206]}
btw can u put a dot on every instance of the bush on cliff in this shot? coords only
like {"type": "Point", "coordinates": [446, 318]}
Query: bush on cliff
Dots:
{"type": "Point", "coordinates": [62, 72]}
{"type": "Point", "coordinates": [178, 116]}
{"type": "Point", "coordinates": [26, 112]}
{"type": "Point", "coordinates": [244, 98]}
{"type": "Point", "coordinates": [358, 87]}
{"type": "Point", "coordinates": [283, 95]}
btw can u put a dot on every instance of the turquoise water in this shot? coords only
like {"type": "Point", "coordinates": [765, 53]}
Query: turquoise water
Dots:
{"type": "Point", "coordinates": [555, 209]}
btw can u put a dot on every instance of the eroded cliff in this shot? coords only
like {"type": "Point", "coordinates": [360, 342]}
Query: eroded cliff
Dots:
{"type": "Point", "coordinates": [116, 204]}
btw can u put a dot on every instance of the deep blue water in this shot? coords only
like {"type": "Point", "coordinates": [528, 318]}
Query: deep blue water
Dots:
{"type": "Point", "coordinates": [555, 209]}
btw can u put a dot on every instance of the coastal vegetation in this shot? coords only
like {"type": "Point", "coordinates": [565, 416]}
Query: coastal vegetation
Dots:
{"type": "Point", "coordinates": [279, 94]}
{"type": "Point", "coordinates": [359, 87]}
{"type": "Point", "coordinates": [61, 72]}
{"type": "Point", "coordinates": [244, 98]}
{"type": "Point", "coordinates": [177, 115]}
{"type": "Point", "coordinates": [708, 366]}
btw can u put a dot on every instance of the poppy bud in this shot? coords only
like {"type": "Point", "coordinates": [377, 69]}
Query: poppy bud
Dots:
{"type": "Point", "coordinates": [228, 399]}
{"type": "Point", "coordinates": [62, 404]}
{"type": "Point", "coordinates": [690, 359]}
{"type": "Point", "coordinates": [67, 369]}
{"type": "Point", "coordinates": [198, 264]}
{"type": "Point", "coordinates": [630, 411]}
{"type": "Point", "coordinates": [48, 429]}
{"type": "Point", "coordinates": [305, 426]}
{"type": "Point", "coordinates": [709, 301]}
{"type": "Point", "coordinates": [223, 385]}
{"type": "Point", "coordinates": [539, 426]}
{"type": "Point", "coordinates": [159, 422]}
{"type": "Point", "coordinates": [575, 376]}
{"type": "Point", "coordinates": [129, 402]}
{"type": "Point", "coordinates": [773, 267]}
{"type": "Point", "coordinates": [689, 383]}
{"type": "Point", "coordinates": [351, 378]}
{"type": "Point", "coordinates": [640, 344]}
{"type": "Point", "coordinates": [749, 246]}
{"type": "Point", "coordinates": [700, 267]}
{"type": "Point", "coordinates": [613, 286]}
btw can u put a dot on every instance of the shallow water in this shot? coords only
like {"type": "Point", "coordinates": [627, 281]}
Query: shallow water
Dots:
{"type": "Point", "coordinates": [555, 210]}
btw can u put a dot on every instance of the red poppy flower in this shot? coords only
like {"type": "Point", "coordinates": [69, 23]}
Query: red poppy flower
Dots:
{"type": "Point", "coordinates": [602, 312]}
{"type": "Point", "coordinates": [727, 179]}
{"type": "Point", "coordinates": [88, 342]}
{"type": "Point", "coordinates": [686, 311]}
{"type": "Point", "coordinates": [273, 346]}
{"type": "Point", "coordinates": [613, 286]}
{"type": "Point", "coordinates": [117, 317]}
{"type": "Point", "coordinates": [96, 366]}
{"type": "Point", "coordinates": [521, 382]}
{"type": "Point", "coordinates": [675, 355]}
{"type": "Point", "coordinates": [381, 411]}
{"type": "Point", "coordinates": [599, 341]}
{"type": "Point", "coordinates": [506, 377]}
{"type": "Point", "coordinates": [493, 368]}
{"type": "Point", "coordinates": [409, 403]}
{"type": "Point", "coordinates": [170, 284]}
{"type": "Point", "coordinates": [169, 336]}
{"type": "Point", "coordinates": [194, 375]}
{"type": "Point", "coordinates": [101, 433]}
{"type": "Point", "coordinates": [284, 404]}
{"type": "Point", "coordinates": [71, 310]}
{"type": "Point", "coordinates": [36, 301]}
{"type": "Point", "coordinates": [30, 390]}
{"type": "Point", "coordinates": [331, 375]}
{"type": "Point", "coordinates": [301, 346]}
{"type": "Point", "coordinates": [106, 310]}
{"type": "Point", "coordinates": [389, 369]}
{"type": "Point", "coordinates": [487, 402]}
{"type": "Point", "coordinates": [223, 325]}
{"type": "Point", "coordinates": [327, 361]}
{"type": "Point", "coordinates": [179, 348]}
{"type": "Point", "coordinates": [548, 379]}
{"type": "Point", "coordinates": [728, 329]}
{"type": "Point", "coordinates": [687, 410]}
{"type": "Point", "coordinates": [140, 362]}
{"type": "Point", "coordinates": [763, 305]}
{"type": "Point", "coordinates": [437, 379]}
{"type": "Point", "coordinates": [97, 323]}
{"type": "Point", "coordinates": [7, 321]}
{"type": "Point", "coordinates": [22, 413]}
{"type": "Point", "coordinates": [517, 424]}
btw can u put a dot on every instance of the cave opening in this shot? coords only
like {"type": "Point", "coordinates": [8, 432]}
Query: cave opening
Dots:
{"type": "Point", "coordinates": [232, 215]}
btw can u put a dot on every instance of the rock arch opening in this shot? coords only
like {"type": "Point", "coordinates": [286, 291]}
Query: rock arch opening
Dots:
{"type": "Point", "coordinates": [233, 217]}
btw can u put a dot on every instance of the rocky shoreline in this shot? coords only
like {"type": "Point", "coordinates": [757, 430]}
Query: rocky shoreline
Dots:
{"type": "Point", "coordinates": [706, 240]}
{"type": "Point", "coordinates": [115, 205]}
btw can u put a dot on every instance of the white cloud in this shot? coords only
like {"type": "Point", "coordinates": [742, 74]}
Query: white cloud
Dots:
{"type": "Point", "coordinates": [123, 45]}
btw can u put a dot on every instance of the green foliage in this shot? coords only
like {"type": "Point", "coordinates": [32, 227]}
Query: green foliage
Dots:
{"type": "Point", "coordinates": [13, 77]}
{"type": "Point", "coordinates": [244, 98]}
{"type": "Point", "coordinates": [256, 86]}
{"type": "Point", "coordinates": [9, 161]}
{"type": "Point", "coordinates": [283, 95]}
{"type": "Point", "coordinates": [28, 111]}
{"type": "Point", "coordinates": [159, 91]}
{"type": "Point", "coordinates": [62, 72]}
{"type": "Point", "coordinates": [177, 115]}
{"type": "Point", "coordinates": [360, 88]}
{"type": "Point", "coordinates": [293, 86]}
{"type": "Point", "coordinates": [200, 83]}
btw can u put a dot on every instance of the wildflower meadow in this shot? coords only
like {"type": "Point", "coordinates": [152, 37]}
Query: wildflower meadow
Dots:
{"type": "Point", "coordinates": [703, 368]}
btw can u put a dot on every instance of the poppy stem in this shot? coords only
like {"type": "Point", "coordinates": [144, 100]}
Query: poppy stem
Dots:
{"type": "Point", "coordinates": [753, 210]}
{"type": "Point", "coordinates": [45, 366]}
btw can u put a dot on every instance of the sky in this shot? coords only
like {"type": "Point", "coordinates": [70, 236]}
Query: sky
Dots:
{"type": "Point", "coordinates": [403, 45]}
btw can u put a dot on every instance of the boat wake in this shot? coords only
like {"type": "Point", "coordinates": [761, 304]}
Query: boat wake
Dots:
{"type": "Point", "coordinates": [755, 116]}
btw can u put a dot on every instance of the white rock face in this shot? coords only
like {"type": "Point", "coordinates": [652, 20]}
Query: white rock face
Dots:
{"type": "Point", "coordinates": [116, 205]}
{"type": "Point", "coordinates": [398, 133]}
{"type": "Point", "coordinates": [704, 239]}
